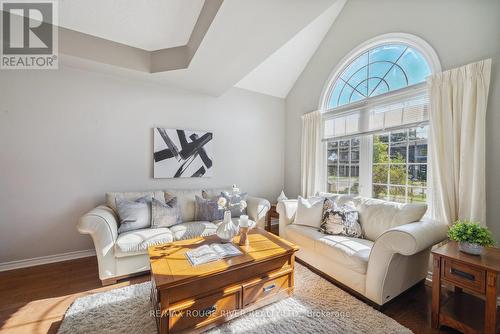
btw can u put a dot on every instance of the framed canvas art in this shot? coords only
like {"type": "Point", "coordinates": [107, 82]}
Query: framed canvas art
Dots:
{"type": "Point", "coordinates": [182, 153]}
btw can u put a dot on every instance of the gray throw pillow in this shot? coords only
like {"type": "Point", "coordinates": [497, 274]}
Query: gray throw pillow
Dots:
{"type": "Point", "coordinates": [165, 214]}
{"type": "Point", "coordinates": [208, 210]}
{"type": "Point", "coordinates": [235, 198]}
{"type": "Point", "coordinates": [134, 215]}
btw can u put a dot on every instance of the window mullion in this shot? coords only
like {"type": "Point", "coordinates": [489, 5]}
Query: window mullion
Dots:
{"type": "Point", "coordinates": [407, 163]}
{"type": "Point", "coordinates": [365, 166]}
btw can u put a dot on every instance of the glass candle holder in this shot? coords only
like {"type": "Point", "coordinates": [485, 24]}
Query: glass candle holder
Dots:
{"type": "Point", "coordinates": [243, 221]}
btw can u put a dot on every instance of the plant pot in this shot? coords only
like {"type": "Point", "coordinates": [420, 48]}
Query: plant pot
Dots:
{"type": "Point", "coordinates": [470, 248]}
{"type": "Point", "coordinates": [228, 229]}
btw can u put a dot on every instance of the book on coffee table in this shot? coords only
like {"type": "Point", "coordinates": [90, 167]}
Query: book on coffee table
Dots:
{"type": "Point", "coordinates": [212, 252]}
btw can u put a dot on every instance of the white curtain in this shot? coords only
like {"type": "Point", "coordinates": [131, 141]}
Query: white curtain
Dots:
{"type": "Point", "coordinates": [313, 155]}
{"type": "Point", "coordinates": [458, 100]}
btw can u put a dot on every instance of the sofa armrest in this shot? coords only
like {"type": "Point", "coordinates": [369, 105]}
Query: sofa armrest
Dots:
{"type": "Point", "coordinates": [257, 209]}
{"type": "Point", "coordinates": [286, 209]}
{"type": "Point", "coordinates": [412, 238]}
{"type": "Point", "coordinates": [400, 257]}
{"type": "Point", "coordinates": [101, 223]}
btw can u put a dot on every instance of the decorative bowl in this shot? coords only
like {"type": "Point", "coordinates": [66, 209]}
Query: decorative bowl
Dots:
{"type": "Point", "coordinates": [470, 248]}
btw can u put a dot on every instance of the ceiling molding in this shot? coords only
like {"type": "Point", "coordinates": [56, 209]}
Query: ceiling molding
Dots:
{"type": "Point", "coordinates": [180, 57]}
{"type": "Point", "coordinates": [82, 45]}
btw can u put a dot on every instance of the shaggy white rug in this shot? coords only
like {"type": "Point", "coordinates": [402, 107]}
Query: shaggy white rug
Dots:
{"type": "Point", "coordinates": [316, 307]}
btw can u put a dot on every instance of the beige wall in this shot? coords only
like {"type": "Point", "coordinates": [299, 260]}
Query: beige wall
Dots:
{"type": "Point", "coordinates": [68, 136]}
{"type": "Point", "coordinates": [461, 31]}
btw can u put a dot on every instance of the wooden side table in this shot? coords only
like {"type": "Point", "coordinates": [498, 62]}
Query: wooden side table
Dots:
{"type": "Point", "coordinates": [477, 275]}
{"type": "Point", "coordinates": [272, 213]}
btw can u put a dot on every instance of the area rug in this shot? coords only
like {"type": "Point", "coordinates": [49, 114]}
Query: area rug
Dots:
{"type": "Point", "coordinates": [316, 307]}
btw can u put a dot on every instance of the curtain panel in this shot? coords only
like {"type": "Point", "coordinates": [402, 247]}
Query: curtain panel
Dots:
{"type": "Point", "coordinates": [313, 155]}
{"type": "Point", "coordinates": [458, 100]}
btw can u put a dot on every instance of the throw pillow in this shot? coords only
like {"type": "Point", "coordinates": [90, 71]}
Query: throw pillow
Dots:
{"type": "Point", "coordinates": [235, 198]}
{"type": "Point", "coordinates": [165, 214]}
{"type": "Point", "coordinates": [341, 220]}
{"type": "Point", "coordinates": [309, 211]}
{"type": "Point", "coordinates": [134, 215]}
{"type": "Point", "coordinates": [207, 210]}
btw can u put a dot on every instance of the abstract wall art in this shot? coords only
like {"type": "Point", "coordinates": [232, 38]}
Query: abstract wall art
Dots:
{"type": "Point", "coordinates": [182, 153]}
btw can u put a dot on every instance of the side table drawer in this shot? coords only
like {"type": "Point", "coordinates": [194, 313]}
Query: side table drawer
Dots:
{"type": "Point", "coordinates": [464, 276]}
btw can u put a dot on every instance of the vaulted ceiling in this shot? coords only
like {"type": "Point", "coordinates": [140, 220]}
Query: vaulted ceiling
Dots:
{"type": "Point", "coordinates": [206, 46]}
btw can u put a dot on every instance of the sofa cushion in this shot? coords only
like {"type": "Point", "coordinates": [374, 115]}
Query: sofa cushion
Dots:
{"type": "Point", "coordinates": [303, 236]}
{"type": "Point", "coordinates": [165, 214]}
{"type": "Point", "coordinates": [377, 216]}
{"type": "Point", "coordinates": [131, 196]}
{"type": "Point", "coordinates": [214, 192]}
{"type": "Point", "coordinates": [193, 230]}
{"type": "Point", "coordinates": [352, 253]}
{"type": "Point", "coordinates": [186, 200]}
{"type": "Point", "coordinates": [338, 199]}
{"type": "Point", "coordinates": [138, 241]}
{"type": "Point", "coordinates": [134, 215]}
{"type": "Point", "coordinates": [208, 209]}
{"type": "Point", "coordinates": [309, 211]}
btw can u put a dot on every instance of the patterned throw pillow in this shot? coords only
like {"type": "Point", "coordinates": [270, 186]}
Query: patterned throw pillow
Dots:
{"type": "Point", "coordinates": [235, 198]}
{"type": "Point", "coordinates": [231, 198]}
{"type": "Point", "coordinates": [165, 214]}
{"type": "Point", "coordinates": [340, 220]}
{"type": "Point", "coordinates": [207, 210]}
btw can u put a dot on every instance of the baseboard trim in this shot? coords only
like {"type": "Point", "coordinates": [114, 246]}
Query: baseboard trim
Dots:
{"type": "Point", "coordinates": [11, 265]}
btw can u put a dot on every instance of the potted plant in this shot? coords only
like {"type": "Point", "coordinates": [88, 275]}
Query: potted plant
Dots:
{"type": "Point", "coordinates": [471, 236]}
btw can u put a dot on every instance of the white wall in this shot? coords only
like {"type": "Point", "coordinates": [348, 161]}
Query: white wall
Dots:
{"type": "Point", "coordinates": [68, 136]}
{"type": "Point", "coordinates": [461, 32]}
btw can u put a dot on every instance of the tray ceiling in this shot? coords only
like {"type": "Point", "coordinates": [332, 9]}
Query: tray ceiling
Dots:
{"type": "Point", "coordinates": [149, 25]}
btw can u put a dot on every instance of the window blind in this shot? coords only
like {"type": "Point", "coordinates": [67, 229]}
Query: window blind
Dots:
{"type": "Point", "coordinates": [407, 109]}
{"type": "Point", "coordinates": [396, 114]}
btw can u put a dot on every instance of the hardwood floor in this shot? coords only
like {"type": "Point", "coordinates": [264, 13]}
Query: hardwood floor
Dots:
{"type": "Point", "coordinates": [33, 300]}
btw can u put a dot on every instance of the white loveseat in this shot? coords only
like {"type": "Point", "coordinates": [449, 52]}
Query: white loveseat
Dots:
{"type": "Point", "coordinates": [392, 257]}
{"type": "Point", "coordinates": [125, 254]}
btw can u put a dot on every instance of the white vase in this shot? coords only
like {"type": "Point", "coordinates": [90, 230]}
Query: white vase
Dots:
{"type": "Point", "coordinates": [228, 229]}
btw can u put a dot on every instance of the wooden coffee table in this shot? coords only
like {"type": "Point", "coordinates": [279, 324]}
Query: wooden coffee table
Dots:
{"type": "Point", "coordinates": [190, 298]}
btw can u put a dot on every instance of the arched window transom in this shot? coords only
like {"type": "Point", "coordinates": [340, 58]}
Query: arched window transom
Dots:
{"type": "Point", "coordinates": [379, 70]}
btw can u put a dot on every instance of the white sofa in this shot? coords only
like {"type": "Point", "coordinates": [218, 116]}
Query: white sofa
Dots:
{"type": "Point", "coordinates": [392, 257]}
{"type": "Point", "coordinates": [125, 254]}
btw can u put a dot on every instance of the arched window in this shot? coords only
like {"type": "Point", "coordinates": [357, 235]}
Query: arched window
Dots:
{"type": "Point", "coordinates": [375, 114]}
{"type": "Point", "coordinates": [379, 70]}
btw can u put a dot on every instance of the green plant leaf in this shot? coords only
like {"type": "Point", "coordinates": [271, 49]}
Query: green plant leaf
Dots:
{"type": "Point", "coordinates": [472, 232]}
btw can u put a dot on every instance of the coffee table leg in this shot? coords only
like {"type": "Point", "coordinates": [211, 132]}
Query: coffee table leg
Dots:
{"type": "Point", "coordinates": [436, 292]}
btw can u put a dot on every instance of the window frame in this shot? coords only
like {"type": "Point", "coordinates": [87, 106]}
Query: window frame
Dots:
{"type": "Point", "coordinates": [350, 164]}
{"type": "Point", "coordinates": [365, 179]}
{"type": "Point", "coordinates": [392, 38]}
{"type": "Point", "coordinates": [407, 186]}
